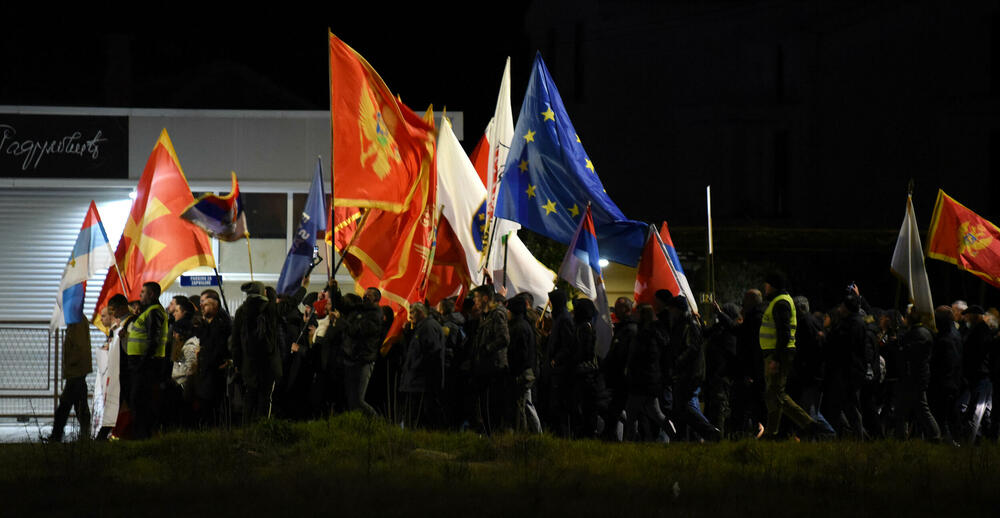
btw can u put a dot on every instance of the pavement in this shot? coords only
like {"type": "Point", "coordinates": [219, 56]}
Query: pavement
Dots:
{"type": "Point", "coordinates": [32, 430]}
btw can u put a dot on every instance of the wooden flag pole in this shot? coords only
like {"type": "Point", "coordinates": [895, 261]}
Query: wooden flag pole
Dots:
{"type": "Point", "coordinates": [249, 254]}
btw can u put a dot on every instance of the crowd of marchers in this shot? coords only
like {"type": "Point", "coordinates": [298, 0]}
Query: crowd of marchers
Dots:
{"type": "Point", "coordinates": [768, 368]}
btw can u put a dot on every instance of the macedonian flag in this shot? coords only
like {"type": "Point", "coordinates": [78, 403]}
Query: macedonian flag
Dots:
{"type": "Point", "coordinates": [157, 245]}
{"type": "Point", "coordinates": [963, 238]}
{"type": "Point", "coordinates": [378, 151]}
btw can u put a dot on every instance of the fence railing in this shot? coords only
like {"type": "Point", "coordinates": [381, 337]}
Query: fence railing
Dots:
{"type": "Point", "coordinates": [28, 370]}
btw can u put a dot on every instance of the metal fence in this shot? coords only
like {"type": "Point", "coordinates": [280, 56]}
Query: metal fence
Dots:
{"type": "Point", "coordinates": [28, 372]}
{"type": "Point", "coordinates": [30, 369]}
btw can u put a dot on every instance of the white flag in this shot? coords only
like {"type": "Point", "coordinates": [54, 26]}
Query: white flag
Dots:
{"type": "Point", "coordinates": [463, 196]}
{"type": "Point", "coordinates": [908, 265]}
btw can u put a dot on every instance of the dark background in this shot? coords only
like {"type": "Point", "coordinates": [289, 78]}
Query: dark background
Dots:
{"type": "Point", "coordinates": [807, 118]}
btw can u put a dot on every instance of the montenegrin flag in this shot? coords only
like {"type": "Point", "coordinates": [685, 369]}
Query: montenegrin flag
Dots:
{"type": "Point", "coordinates": [222, 217]}
{"type": "Point", "coordinates": [157, 244]}
{"type": "Point", "coordinates": [91, 253]}
{"type": "Point", "coordinates": [379, 151]}
{"type": "Point", "coordinates": [963, 238]}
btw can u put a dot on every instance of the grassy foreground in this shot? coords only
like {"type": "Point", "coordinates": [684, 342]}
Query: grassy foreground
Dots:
{"type": "Point", "coordinates": [349, 465]}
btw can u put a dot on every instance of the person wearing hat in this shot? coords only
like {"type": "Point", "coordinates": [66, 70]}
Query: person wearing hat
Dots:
{"type": "Point", "coordinates": [777, 341]}
{"type": "Point", "coordinates": [254, 348]}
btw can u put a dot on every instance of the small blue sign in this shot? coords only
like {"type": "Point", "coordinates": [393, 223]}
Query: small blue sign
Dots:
{"type": "Point", "coordinates": [199, 280]}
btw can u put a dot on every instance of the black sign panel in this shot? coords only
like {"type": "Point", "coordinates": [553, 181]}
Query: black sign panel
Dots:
{"type": "Point", "coordinates": [63, 146]}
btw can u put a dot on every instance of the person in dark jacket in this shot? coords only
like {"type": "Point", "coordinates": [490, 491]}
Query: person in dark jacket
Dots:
{"type": "Point", "coordinates": [847, 370]}
{"type": "Point", "coordinates": [685, 358]}
{"type": "Point", "coordinates": [945, 373]}
{"type": "Point", "coordinates": [255, 352]}
{"type": "Point", "coordinates": [422, 378]}
{"type": "Point", "coordinates": [522, 358]}
{"type": "Point", "coordinates": [590, 395]}
{"type": "Point", "coordinates": [721, 365]}
{"type": "Point", "coordinates": [976, 366]}
{"type": "Point", "coordinates": [748, 389]}
{"type": "Point", "coordinates": [643, 376]}
{"type": "Point", "coordinates": [810, 367]}
{"type": "Point", "coordinates": [76, 365]}
{"type": "Point", "coordinates": [613, 367]}
{"type": "Point", "coordinates": [489, 362]}
{"type": "Point", "coordinates": [213, 359]}
{"type": "Point", "coordinates": [560, 346]}
{"type": "Point", "coordinates": [910, 397]}
{"type": "Point", "coordinates": [361, 340]}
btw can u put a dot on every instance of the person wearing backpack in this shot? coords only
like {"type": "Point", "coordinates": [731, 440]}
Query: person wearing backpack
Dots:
{"type": "Point", "coordinates": [255, 352]}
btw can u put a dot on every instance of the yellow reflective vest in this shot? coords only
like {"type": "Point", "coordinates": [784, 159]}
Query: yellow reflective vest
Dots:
{"type": "Point", "coordinates": [138, 337]}
{"type": "Point", "coordinates": [768, 334]}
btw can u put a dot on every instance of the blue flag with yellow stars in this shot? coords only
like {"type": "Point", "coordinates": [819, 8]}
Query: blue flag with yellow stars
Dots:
{"type": "Point", "coordinates": [549, 179]}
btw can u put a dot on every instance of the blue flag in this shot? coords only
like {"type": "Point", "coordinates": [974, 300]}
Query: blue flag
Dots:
{"type": "Point", "coordinates": [312, 222]}
{"type": "Point", "coordinates": [549, 179]}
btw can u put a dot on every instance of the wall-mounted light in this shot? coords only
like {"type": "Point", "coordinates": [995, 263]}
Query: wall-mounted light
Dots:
{"type": "Point", "coordinates": [603, 262]}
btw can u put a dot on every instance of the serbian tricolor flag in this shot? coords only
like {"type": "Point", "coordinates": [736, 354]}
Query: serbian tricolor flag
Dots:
{"type": "Point", "coordinates": [963, 238]}
{"type": "Point", "coordinates": [581, 268]}
{"type": "Point", "coordinates": [222, 217]}
{"type": "Point", "coordinates": [91, 253]}
{"type": "Point", "coordinates": [157, 244]}
{"type": "Point", "coordinates": [675, 262]}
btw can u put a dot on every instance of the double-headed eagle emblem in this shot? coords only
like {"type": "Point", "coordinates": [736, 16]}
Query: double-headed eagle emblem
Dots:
{"type": "Point", "coordinates": [378, 147]}
{"type": "Point", "coordinates": [972, 239]}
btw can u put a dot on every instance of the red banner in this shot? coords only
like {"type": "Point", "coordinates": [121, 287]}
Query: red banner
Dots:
{"type": "Point", "coordinates": [963, 238]}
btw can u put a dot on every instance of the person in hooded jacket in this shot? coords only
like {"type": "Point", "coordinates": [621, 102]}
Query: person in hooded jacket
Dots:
{"type": "Point", "coordinates": [643, 377]}
{"type": "Point", "coordinates": [721, 365]}
{"type": "Point", "coordinates": [590, 394]}
{"type": "Point", "coordinates": [560, 345]}
{"type": "Point", "coordinates": [945, 373]}
{"type": "Point", "coordinates": [255, 352]}
{"type": "Point", "coordinates": [522, 359]}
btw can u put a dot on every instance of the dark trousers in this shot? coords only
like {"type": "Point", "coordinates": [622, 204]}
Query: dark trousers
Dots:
{"type": "Point", "coordinates": [74, 396]}
{"type": "Point", "coordinates": [144, 395]}
{"type": "Point", "coordinates": [356, 378]}
{"type": "Point", "coordinates": [911, 400]}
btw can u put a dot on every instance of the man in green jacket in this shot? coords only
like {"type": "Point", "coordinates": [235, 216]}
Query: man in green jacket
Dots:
{"type": "Point", "coordinates": [76, 366]}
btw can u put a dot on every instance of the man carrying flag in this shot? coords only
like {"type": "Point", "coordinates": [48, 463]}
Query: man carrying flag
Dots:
{"type": "Point", "coordinates": [90, 253]}
{"type": "Point", "coordinates": [299, 262]}
{"type": "Point", "coordinates": [549, 179]}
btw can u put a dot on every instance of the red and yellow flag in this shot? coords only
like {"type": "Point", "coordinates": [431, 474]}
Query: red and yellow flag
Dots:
{"type": "Point", "coordinates": [963, 238]}
{"type": "Point", "coordinates": [157, 245]}
{"type": "Point", "coordinates": [390, 250]}
{"type": "Point", "coordinates": [378, 150]}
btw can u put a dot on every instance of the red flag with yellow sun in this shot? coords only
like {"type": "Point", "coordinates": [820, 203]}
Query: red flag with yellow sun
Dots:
{"type": "Point", "coordinates": [963, 238]}
{"type": "Point", "coordinates": [157, 244]}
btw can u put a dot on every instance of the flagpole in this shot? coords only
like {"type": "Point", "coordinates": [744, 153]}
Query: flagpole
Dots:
{"type": "Point", "coordinates": [430, 255]}
{"type": "Point", "coordinates": [505, 248]}
{"type": "Point", "coordinates": [710, 281]}
{"type": "Point", "coordinates": [357, 232]}
{"type": "Point", "coordinates": [249, 255]}
{"type": "Point", "coordinates": [222, 292]}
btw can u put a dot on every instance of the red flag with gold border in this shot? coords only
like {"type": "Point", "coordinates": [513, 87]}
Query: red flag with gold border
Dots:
{"type": "Point", "coordinates": [378, 151]}
{"type": "Point", "coordinates": [157, 244]}
{"type": "Point", "coordinates": [390, 251]}
{"type": "Point", "coordinates": [965, 239]}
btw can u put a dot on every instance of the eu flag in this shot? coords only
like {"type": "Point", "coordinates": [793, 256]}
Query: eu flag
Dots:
{"type": "Point", "coordinates": [549, 179]}
{"type": "Point", "coordinates": [313, 220]}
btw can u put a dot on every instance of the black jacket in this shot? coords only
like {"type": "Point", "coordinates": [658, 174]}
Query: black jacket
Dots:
{"type": "Point", "coordinates": [423, 366]}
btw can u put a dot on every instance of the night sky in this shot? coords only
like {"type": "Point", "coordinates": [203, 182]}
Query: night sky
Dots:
{"type": "Point", "coordinates": [801, 115]}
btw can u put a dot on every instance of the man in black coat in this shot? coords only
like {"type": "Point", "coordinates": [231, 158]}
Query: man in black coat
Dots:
{"type": "Point", "coordinates": [976, 365]}
{"type": "Point", "coordinates": [847, 369]}
{"type": "Point", "coordinates": [522, 358]}
{"type": "Point", "coordinates": [422, 377]}
{"type": "Point", "coordinates": [255, 351]}
{"type": "Point", "coordinates": [213, 358]}
{"type": "Point", "coordinates": [560, 345]}
{"type": "Point", "coordinates": [489, 361]}
{"type": "Point", "coordinates": [945, 373]}
{"type": "Point", "coordinates": [910, 396]}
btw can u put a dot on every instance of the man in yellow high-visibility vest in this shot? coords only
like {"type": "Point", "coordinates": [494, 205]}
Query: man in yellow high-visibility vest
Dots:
{"type": "Point", "coordinates": [777, 342]}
